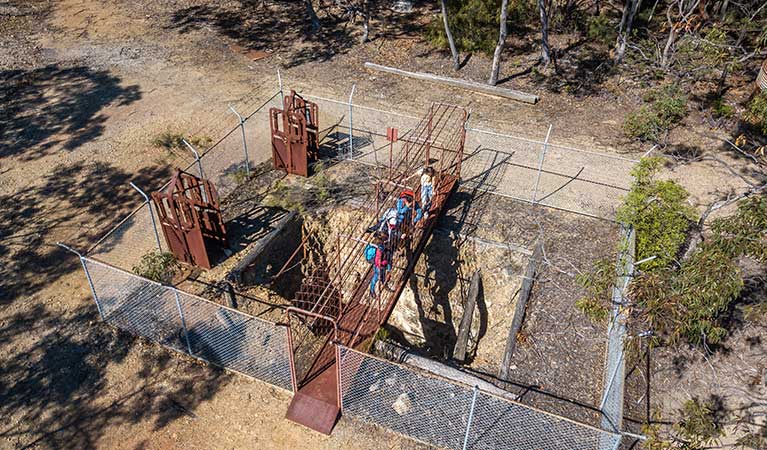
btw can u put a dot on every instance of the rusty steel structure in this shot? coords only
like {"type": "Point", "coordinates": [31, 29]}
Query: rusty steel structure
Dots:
{"type": "Point", "coordinates": [191, 218]}
{"type": "Point", "coordinates": [333, 305]}
{"type": "Point", "coordinates": [294, 128]}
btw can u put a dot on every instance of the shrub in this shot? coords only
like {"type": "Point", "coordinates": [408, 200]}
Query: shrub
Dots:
{"type": "Point", "coordinates": [756, 114]}
{"type": "Point", "coordinates": [665, 108]}
{"type": "Point", "coordinates": [659, 213]}
{"type": "Point", "coordinates": [157, 266]}
{"type": "Point", "coordinates": [698, 427]}
{"type": "Point", "coordinates": [170, 140]}
{"type": "Point", "coordinates": [601, 29]}
{"type": "Point", "coordinates": [598, 283]}
{"type": "Point", "coordinates": [685, 304]}
{"type": "Point", "coordinates": [722, 110]}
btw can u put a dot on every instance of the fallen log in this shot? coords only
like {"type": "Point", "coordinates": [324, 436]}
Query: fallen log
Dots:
{"type": "Point", "coordinates": [403, 356]}
{"type": "Point", "coordinates": [519, 311]}
{"type": "Point", "coordinates": [235, 275]}
{"type": "Point", "coordinates": [464, 328]}
{"type": "Point", "coordinates": [471, 85]}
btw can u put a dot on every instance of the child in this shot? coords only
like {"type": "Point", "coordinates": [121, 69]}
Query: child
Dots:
{"type": "Point", "coordinates": [427, 188]}
{"type": "Point", "coordinates": [380, 263]}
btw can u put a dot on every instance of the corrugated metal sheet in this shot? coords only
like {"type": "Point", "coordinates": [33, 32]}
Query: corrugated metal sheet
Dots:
{"type": "Point", "coordinates": [761, 80]}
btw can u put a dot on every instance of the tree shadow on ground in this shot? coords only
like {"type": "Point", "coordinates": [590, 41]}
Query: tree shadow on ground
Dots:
{"type": "Point", "coordinates": [273, 26]}
{"type": "Point", "coordinates": [77, 204]}
{"type": "Point", "coordinates": [56, 393]}
{"type": "Point", "coordinates": [54, 108]}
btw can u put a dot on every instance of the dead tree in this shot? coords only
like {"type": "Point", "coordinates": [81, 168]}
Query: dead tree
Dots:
{"type": "Point", "coordinates": [624, 30]}
{"type": "Point", "coordinates": [501, 42]}
{"type": "Point", "coordinates": [685, 9]}
{"type": "Point", "coordinates": [545, 48]}
{"type": "Point", "coordinates": [449, 35]}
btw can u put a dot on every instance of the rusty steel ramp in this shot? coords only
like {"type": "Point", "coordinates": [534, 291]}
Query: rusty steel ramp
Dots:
{"type": "Point", "coordinates": [324, 320]}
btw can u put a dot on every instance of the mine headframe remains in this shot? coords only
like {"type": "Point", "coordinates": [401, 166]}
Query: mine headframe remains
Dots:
{"type": "Point", "coordinates": [333, 305]}
{"type": "Point", "coordinates": [191, 219]}
{"type": "Point", "coordinates": [295, 140]}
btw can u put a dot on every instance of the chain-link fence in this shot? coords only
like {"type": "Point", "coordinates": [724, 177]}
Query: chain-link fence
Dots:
{"type": "Point", "coordinates": [450, 415]}
{"type": "Point", "coordinates": [245, 132]}
{"type": "Point", "coordinates": [615, 363]}
{"type": "Point", "coordinates": [190, 324]}
{"type": "Point", "coordinates": [425, 408]}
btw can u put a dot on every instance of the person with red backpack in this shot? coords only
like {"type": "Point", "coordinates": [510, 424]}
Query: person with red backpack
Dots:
{"type": "Point", "coordinates": [378, 255]}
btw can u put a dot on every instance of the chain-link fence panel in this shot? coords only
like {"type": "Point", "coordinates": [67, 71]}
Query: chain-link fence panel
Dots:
{"type": "Point", "coordinates": [198, 327]}
{"type": "Point", "coordinates": [576, 180]}
{"type": "Point", "coordinates": [130, 239]}
{"type": "Point", "coordinates": [236, 341]}
{"type": "Point", "coordinates": [423, 408]}
{"type": "Point", "coordinates": [499, 423]}
{"type": "Point", "coordinates": [224, 162]}
{"type": "Point", "coordinates": [137, 305]}
{"type": "Point", "coordinates": [438, 412]}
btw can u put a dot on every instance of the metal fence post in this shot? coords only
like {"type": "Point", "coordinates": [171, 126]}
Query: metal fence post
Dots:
{"type": "Point", "coordinates": [351, 123]}
{"type": "Point", "coordinates": [196, 156]}
{"type": "Point", "coordinates": [151, 215]}
{"type": "Point", "coordinates": [471, 418]}
{"type": "Point", "coordinates": [87, 275]}
{"type": "Point", "coordinates": [282, 95]}
{"type": "Point", "coordinates": [540, 165]}
{"type": "Point", "coordinates": [183, 322]}
{"type": "Point", "coordinates": [244, 142]}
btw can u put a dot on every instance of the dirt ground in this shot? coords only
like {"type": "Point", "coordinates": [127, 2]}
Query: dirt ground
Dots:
{"type": "Point", "coordinates": [86, 86]}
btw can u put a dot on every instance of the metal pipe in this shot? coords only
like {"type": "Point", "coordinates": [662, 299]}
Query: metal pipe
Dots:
{"type": "Point", "coordinates": [471, 418]}
{"type": "Point", "coordinates": [244, 141]}
{"type": "Point", "coordinates": [196, 156]}
{"type": "Point", "coordinates": [151, 215]}
{"type": "Point", "coordinates": [183, 321]}
{"type": "Point", "coordinates": [351, 137]}
{"type": "Point", "coordinates": [87, 275]}
{"type": "Point", "coordinates": [282, 95]}
{"type": "Point", "coordinates": [540, 165]}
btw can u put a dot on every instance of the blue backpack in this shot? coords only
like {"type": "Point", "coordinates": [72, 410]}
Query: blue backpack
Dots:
{"type": "Point", "coordinates": [370, 253]}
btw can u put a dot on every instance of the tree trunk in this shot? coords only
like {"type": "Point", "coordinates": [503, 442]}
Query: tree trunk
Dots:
{"type": "Point", "coordinates": [312, 15]}
{"type": "Point", "coordinates": [499, 47]}
{"type": "Point", "coordinates": [545, 49]}
{"type": "Point", "coordinates": [627, 21]}
{"type": "Point", "coordinates": [365, 21]}
{"type": "Point", "coordinates": [450, 41]}
{"type": "Point", "coordinates": [666, 58]}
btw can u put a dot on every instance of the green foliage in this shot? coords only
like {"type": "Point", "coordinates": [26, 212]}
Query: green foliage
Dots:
{"type": "Point", "coordinates": [698, 427]}
{"type": "Point", "coordinates": [756, 113]}
{"type": "Point", "coordinates": [157, 266]}
{"type": "Point", "coordinates": [474, 23]}
{"type": "Point", "coordinates": [170, 140]}
{"type": "Point", "coordinates": [300, 197]}
{"type": "Point", "coordinates": [743, 234]}
{"type": "Point", "coordinates": [239, 176]}
{"type": "Point", "coordinates": [598, 283]}
{"type": "Point", "coordinates": [664, 108]}
{"type": "Point", "coordinates": [382, 334]}
{"type": "Point", "coordinates": [707, 51]}
{"type": "Point", "coordinates": [601, 29]}
{"type": "Point", "coordinates": [722, 110]}
{"type": "Point", "coordinates": [659, 213]}
{"type": "Point", "coordinates": [685, 304]}
{"type": "Point", "coordinates": [755, 441]}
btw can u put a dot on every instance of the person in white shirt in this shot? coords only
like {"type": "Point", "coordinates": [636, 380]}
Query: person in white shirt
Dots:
{"type": "Point", "coordinates": [427, 188]}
